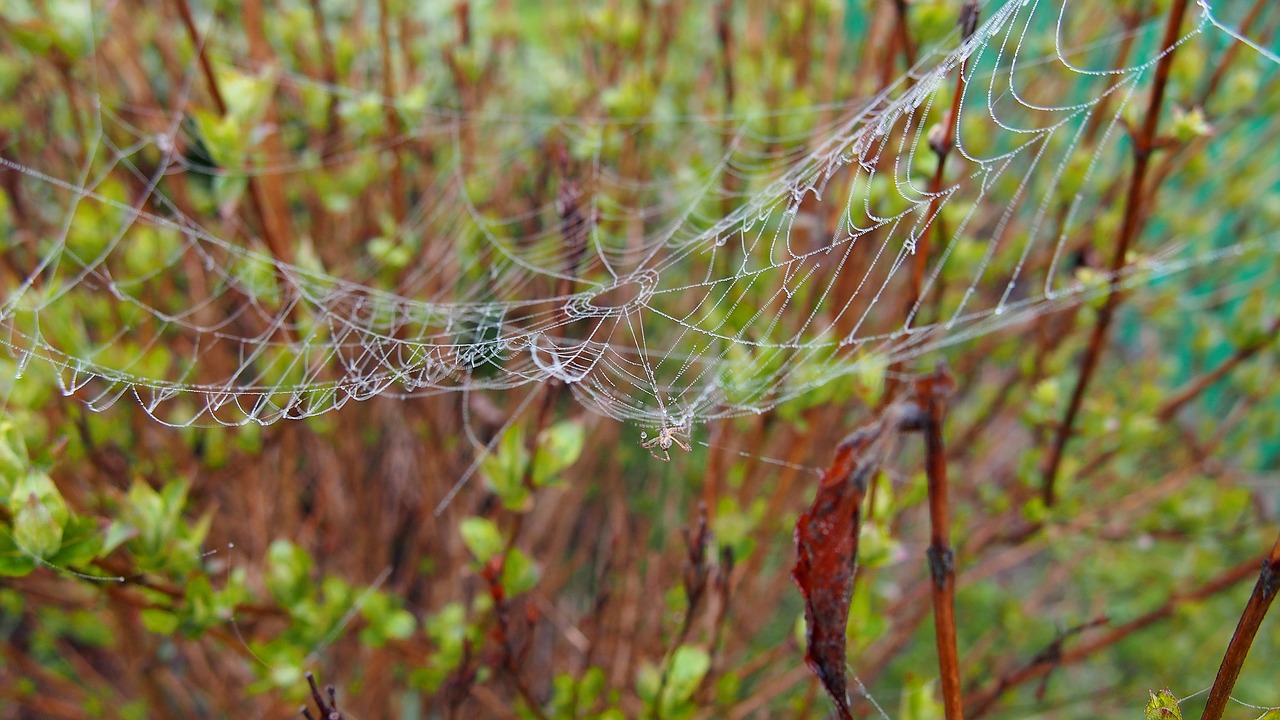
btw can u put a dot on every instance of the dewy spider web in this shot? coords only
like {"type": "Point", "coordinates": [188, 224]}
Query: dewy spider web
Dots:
{"type": "Point", "coordinates": [761, 257]}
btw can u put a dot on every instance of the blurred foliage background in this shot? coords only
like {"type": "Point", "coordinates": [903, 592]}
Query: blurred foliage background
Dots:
{"type": "Point", "coordinates": [151, 571]}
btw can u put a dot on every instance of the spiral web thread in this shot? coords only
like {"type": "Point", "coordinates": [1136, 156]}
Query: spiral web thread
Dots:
{"type": "Point", "coordinates": [764, 257]}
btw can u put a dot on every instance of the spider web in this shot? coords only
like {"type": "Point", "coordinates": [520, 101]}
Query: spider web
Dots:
{"type": "Point", "coordinates": [758, 258]}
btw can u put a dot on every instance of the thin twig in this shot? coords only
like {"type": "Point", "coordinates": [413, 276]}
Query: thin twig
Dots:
{"type": "Point", "coordinates": [1143, 145]}
{"type": "Point", "coordinates": [904, 35]}
{"type": "Point", "coordinates": [1193, 389]}
{"type": "Point", "coordinates": [941, 141]}
{"type": "Point", "coordinates": [390, 117]}
{"type": "Point", "coordinates": [273, 235]}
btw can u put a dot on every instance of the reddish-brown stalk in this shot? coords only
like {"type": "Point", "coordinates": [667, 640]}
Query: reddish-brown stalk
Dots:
{"type": "Point", "coordinates": [1144, 140]}
{"type": "Point", "coordinates": [1264, 592]}
{"type": "Point", "coordinates": [941, 145]}
{"type": "Point", "coordinates": [390, 117]}
{"type": "Point", "coordinates": [931, 392]}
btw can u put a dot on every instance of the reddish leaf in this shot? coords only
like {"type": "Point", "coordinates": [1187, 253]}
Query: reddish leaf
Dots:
{"type": "Point", "coordinates": [827, 547]}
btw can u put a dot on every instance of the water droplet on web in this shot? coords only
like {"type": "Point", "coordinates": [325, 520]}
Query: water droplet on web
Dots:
{"type": "Point", "coordinates": [722, 240]}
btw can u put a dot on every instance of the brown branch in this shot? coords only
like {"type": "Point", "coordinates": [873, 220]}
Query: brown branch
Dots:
{"type": "Point", "coordinates": [941, 141]}
{"type": "Point", "coordinates": [931, 393]}
{"type": "Point", "coordinates": [328, 708]}
{"type": "Point", "coordinates": [1100, 110]}
{"type": "Point", "coordinates": [696, 573]}
{"type": "Point", "coordinates": [389, 112]}
{"type": "Point", "coordinates": [184, 10]}
{"type": "Point", "coordinates": [273, 225]}
{"type": "Point", "coordinates": [1143, 144]}
{"type": "Point", "coordinates": [1189, 392]}
{"type": "Point", "coordinates": [1193, 389]}
{"type": "Point", "coordinates": [1264, 591]}
{"type": "Point", "coordinates": [904, 35]}
{"type": "Point", "coordinates": [333, 123]}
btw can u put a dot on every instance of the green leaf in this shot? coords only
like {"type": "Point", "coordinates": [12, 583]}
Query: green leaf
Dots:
{"type": "Point", "coordinates": [503, 470]}
{"type": "Point", "coordinates": [81, 542]}
{"type": "Point", "coordinates": [39, 516]}
{"type": "Point", "coordinates": [728, 689]}
{"type": "Point", "coordinates": [117, 534]}
{"type": "Point", "coordinates": [399, 624]}
{"type": "Point", "coordinates": [198, 612]}
{"type": "Point", "coordinates": [481, 537]}
{"type": "Point", "coordinates": [919, 699]}
{"type": "Point", "coordinates": [13, 456]}
{"type": "Point", "coordinates": [227, 189]}
{"type": "Point", "coordinates": [689, 664]}
{"type": "Point", "coordinates": [247, 96]}
{"type": "Point", "coordinates": [876, 545]}
{"type": "Point", "coordinates": [386, 621]}
{"type": "Point", "coordinates": [519, 573]}
{"type": "Point", "coordinates": [222, 137]}
{"type": "Point", "coordinates": [288, 570]}
{"type": "Point", "coordinates": [161, 622]}
{"type": "Point", "coordinates": [448, 631]}
{"type": "Point", "coordinates": [145, 511]}
{"type": "Point", "coordinates": [1163, 706]}
{"type": "Point", "coordinates": [648, 680]}
{"type": "Point", "coordinates": [286, 675]}
{"type": "Point", "coordinates": [14, 561]}
{"type": "Point", "coordinates": [389, 252]}
{"type": "Point", "coordinates": [559, 446]}
{"type": "Point", "coordinates": [1190, 124]}
{"type": "Point", "coordinates": [735, 528]}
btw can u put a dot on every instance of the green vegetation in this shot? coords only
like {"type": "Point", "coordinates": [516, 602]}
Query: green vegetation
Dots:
{"type": "Point", "coordinates": [151, 567]}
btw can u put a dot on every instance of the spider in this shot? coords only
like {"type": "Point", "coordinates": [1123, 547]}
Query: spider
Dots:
{"type": "Point", "coordinates": [666, 437]}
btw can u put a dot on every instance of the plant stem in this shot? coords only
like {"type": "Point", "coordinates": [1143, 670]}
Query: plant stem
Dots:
{"type": "Point", "coordinates": [273, 231]}
{"type": "Point", "coordinates": [931, 392]}
{"type": "Point", "coordinates": [1193, 389]}
{"type": "Point", "coordinates": [904, 35]}
{"type": "Point", "coordinates": [1143, 144]}
{"type": "Point", "coordinates": [1264, 591]}
{"type": "Point", "coordinates": [390, 117]}
{"type": "Point", "coordinates": [329, 66]}
{"type": "Point", "coordinates": [941, 148]}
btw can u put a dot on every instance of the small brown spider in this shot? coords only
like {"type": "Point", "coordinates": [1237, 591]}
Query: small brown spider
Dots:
{"type": "Point", "coordinates": [666, 437]}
